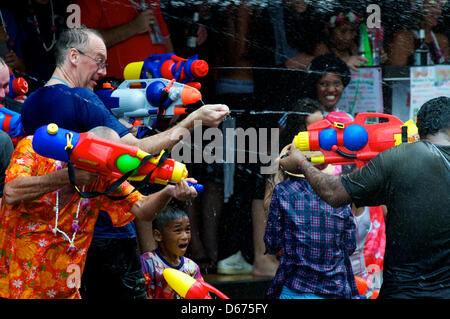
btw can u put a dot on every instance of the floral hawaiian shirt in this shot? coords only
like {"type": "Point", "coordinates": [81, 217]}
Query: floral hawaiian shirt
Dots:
{"type": "Point", "coordinates": [37, 261]}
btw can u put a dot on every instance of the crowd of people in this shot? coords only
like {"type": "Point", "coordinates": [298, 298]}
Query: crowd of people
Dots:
{"type": "Point", "coordinates": [314, 230]}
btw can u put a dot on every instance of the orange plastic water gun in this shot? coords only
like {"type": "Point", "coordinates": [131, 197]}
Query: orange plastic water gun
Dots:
{"type": "Point", "coordinates": [188, 287]}
{"type": "Point", "coordinates": [106, 157]}
{"type": "Point", "coordinates": [355, 142]}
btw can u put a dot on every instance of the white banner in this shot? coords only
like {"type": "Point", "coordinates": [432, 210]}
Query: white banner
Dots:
{"type": "Point", "coordinates": [427, 83]}
{"type": "Point", "coordinates": [363, 93]}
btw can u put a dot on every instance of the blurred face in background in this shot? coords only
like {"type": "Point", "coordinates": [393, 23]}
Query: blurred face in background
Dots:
{"type": "Point", "coordinates": [342, 37]}
{"type": "Point", "coordinates": [432, 11]}
{"type": "Point", "coordinates": [329, 90]}
{"type": "Point", "coordinates": [4, 81]}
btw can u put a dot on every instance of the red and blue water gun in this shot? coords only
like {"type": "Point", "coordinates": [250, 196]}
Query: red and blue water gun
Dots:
{"type": "Point", "coordinates": [107, 157]}
{"type": "Point", "coordinates": [170, 67]}
{"type": "Point", "coordinates": [355, 142]}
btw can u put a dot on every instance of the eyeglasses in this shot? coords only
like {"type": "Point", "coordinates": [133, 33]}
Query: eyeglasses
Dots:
{"type": "Point", "coordinates": [100, 63]}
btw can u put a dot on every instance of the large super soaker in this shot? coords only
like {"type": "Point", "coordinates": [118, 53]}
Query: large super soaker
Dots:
{"type": "Point", "coordinates": [188, 287]}
{"type": "Point", "coordinates": [147, 99]}
{"type": "Point", "coordinates": [106, 157]}
{"type": "Point", "coordinates": [168, 66]}
{"type": "Point", "coordinates": [356, 142]}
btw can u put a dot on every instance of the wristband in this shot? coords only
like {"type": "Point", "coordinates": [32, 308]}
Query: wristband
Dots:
{"type": "Point", "coordinates": [299, 167]}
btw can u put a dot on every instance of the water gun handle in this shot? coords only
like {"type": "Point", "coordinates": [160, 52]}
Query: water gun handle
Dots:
{"type": "Point", "coordinates": [361, 118]}
{"type": "Point", "coordinates": [198, 187]}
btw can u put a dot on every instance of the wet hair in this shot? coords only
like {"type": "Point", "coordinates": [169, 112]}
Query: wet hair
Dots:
{"type": "Point", "coordinates": [77, 38]}
{"type": "Point", "coordinates": [170, 213]}
{"type": "Point", "coordinates": [297, 122]}
{"type": "Point", "coordinates": [321, 66]}
{"type": "Point", "coordinates": [434, 116]}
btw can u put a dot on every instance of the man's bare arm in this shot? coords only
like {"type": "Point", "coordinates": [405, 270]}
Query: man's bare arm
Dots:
{"type": "Point", "coordinates": [28, 188]}
{"type": "Point", "coordinates": [149, 206]}
{"type": "Point", "coordinates": [328, 187]}
{"type": "Point", "coordinates": [209, 115]}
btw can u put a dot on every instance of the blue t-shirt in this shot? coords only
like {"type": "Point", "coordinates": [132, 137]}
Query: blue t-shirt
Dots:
{"type": "Point", "coordinates": [77, 109]}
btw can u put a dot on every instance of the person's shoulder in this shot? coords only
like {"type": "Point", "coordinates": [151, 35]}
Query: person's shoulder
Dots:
{"type": "Point", "coordinates": [189, 261]}
{"type": "Point", "coordinates": [286, 187]}
{"type": "Point", "coordinates": [148, 258]}
{"type": "Point", "coordinates": [190, 266]}
{"type": "Point", "coordinates": [84, 92]}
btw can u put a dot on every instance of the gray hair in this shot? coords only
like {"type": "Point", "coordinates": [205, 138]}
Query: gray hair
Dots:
{"type": "Point", "coordinates": [2, 62]}
{"type": "Point", "coordinates": [77, 38]}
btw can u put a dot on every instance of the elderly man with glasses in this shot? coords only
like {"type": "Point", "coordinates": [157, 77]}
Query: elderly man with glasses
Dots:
{"type": "Point", "coordinates": [69, 101]}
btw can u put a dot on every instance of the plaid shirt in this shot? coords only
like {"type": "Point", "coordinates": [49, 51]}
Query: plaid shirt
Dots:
{"type": "Point", "coordinates": [315, 240]}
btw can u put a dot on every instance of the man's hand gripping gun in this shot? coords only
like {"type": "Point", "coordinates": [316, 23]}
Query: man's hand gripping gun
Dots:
{"type": "Point", "coordinates": [108, 158]}
{"type": "Point", "coordinates": [356, 142]}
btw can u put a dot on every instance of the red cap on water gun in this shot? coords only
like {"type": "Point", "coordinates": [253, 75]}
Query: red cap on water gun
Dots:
{"type": "Point", "coordinates": [20, 86]}
{"type": "Point", "coordinates": [199, 68]}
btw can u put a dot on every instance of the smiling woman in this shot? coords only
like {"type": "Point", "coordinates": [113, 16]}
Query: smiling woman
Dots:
{"type": "Point", "coordinates": [327, 78]}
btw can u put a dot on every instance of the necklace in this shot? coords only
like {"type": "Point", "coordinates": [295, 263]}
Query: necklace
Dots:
{"type": "Point", "coordinates": [54, 77]}
{"type": "Point", "coordinates": [74, 228]}
{"type": "Point", "coordinates": [75, 223]}
{"type": "Point", "coordinates": [52, 28]}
